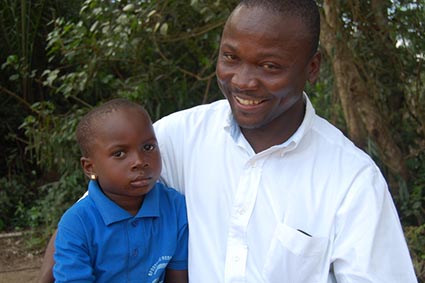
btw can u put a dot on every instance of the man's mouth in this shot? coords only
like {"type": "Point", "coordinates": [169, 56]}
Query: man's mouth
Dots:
{"type": "Point", "coordinates": [247, 102]}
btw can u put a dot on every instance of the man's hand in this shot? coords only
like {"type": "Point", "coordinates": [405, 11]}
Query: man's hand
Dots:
{"type": "Point", "coordinates": [46, 271]}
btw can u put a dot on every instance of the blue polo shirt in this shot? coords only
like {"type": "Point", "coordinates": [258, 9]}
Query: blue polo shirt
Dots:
{"type": "Point", "coordinates": [98, 241]}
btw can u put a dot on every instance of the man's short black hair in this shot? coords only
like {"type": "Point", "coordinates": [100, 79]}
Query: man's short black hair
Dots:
{"type": "Point", "coordinates": [306, 10]}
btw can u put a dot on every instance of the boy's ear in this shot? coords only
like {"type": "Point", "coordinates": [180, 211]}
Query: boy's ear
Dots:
{"type": "Point", "coordinates": [87, 165]}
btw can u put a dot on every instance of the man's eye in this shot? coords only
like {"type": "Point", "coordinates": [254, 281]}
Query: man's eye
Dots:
{"type": "Point", "coordinates": [118, 154]}
{"type": "Point", "coordinates": [229, 57]}
{"type": "Point", "coordinates": [148, 147]}
{"type": "Point", "coordinates": [270, 67]}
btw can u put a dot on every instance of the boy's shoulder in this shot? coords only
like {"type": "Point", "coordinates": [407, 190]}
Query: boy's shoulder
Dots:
{"type": "Point", "coordinates": [80, 212]}
{"type": "Point", "coordinates": [169, 199]}
{"type": "Point", "coordinates": [167, 192]}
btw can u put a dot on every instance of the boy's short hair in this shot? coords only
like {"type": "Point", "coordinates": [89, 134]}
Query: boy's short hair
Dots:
{"type": "Point", "coordinates": [86, 126]}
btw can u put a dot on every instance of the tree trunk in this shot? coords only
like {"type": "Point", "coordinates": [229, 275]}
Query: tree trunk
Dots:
{"type": "Point", "coordinates": [357, 97]}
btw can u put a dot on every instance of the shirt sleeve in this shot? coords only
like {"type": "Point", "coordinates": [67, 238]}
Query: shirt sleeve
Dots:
{"type": "Point", "coordinates": [72, 261]}
{"type": "Point", "coordinates": [170, 138]}
{"type": "Point", "coordinates": [369, 241]}
{"type": "Point", "coordinates": [179, 260]}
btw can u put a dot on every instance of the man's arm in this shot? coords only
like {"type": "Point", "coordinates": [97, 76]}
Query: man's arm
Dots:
{"type": "Point", "coordinates": [176, 276]}
{"type": "Point", "coordinates": [46, 271]}
{"type": "Point", "coordinates": [369, 245]}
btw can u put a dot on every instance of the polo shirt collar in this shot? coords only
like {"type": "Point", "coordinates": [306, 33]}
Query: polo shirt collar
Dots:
{"type": "Point", "coordinates": [233, 129]}
{"type": "Point", "coordinates": [112, 213]}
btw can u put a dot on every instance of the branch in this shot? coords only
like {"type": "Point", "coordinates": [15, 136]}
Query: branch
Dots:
{"type": "Point", "coordinates": [207, 91]}
{"type": "Point", "coordinates": [16, 96]}
{"type": "Point", "coordinates": [195, 33]}
{"type": "Point", "coordinates": [199, 78]}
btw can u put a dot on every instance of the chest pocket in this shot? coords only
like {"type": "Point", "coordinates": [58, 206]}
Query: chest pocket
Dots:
{"type": "Point", "coordinates": [294, 257]}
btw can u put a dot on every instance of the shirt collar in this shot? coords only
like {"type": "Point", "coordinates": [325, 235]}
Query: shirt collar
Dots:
{"type": "Point", "coordinates": [111, 212]}
{"type": "Point", "coordinates": [233, 129]}
{"type": "Point", "coordinates": [306, 123]}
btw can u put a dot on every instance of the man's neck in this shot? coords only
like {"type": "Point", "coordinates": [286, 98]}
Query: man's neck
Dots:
{"type": "Point", "coordinates": [277, 131]}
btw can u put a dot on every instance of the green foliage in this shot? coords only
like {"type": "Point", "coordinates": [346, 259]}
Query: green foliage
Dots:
{"type": "Point", "coordinates": [57, 197]}
{"type": "Point", "coordinates": [14, 196]}
{"type": "Point", "coordinates": [22, 32]}
{"type": "Point", "coordinates": [155, 53]}
{"type": "Point", "coordinates": [415, 236]}
{"type": "Point", "coordinates": [60, 153]}
{"type": "Point", "coordinates": [412, 199]}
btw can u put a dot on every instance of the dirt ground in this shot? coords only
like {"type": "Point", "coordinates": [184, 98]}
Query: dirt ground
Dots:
{"type": "Point", "coordinates": [18, 264]}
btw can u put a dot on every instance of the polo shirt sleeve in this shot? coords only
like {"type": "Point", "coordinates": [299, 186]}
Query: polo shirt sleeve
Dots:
{"type": "Point", "coordinates": [72, 261]}
{"type": "Point", "coordinates": [369, 242]}
{"type": "Point", "coordinates": [179, 260]}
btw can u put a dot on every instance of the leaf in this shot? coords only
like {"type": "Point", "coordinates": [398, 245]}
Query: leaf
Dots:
{"type": "Point", "coordinates": [164, 28]}
{"type": "Point", "coordinates": [129, 8]}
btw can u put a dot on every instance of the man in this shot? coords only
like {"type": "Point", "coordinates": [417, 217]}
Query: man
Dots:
{"type": "Point", "coordinates": [275, 193]}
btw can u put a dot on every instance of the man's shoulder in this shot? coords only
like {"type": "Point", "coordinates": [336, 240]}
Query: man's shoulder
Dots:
{"type": "Point", "coordinates": [203, 112]}
{"type": "Point", "coordinates": [332, 140]}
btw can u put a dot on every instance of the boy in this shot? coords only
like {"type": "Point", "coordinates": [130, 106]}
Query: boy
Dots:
{"type": "Point", "coordinates": [129, 228]}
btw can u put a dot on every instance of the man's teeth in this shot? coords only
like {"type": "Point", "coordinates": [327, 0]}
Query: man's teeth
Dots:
{"type": "Point", "coordinates": [248, 101]}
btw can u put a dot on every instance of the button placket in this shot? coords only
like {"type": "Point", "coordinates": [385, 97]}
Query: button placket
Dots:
{"type": "Point", "coordinates": [237, 249]}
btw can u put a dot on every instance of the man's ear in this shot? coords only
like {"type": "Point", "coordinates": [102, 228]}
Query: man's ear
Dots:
{"type": "Point", "coordinates": [88, 167]}
{"type": "Point", "coordinates": [314, 67]}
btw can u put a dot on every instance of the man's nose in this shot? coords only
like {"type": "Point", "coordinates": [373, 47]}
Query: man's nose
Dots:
{"type": "Point", "coordinates": [244, 78]}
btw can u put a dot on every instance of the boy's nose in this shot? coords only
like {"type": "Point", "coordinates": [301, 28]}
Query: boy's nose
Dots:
{"type": "Point", "coordinates": [140, 161]}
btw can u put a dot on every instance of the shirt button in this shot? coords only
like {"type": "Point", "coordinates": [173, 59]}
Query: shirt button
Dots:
{"type": "Point", "coordinates": [236, 259]}
{"type": "Point", "coordinates": [242, 211]}
{"type": "Point", "coordinates": [135, 252]}
{"type": "Point", "coordinates": [134, 223]}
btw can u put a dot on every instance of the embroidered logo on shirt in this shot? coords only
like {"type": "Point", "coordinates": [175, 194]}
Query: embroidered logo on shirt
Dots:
{"type": "Point", "coordinates": [159, 267]}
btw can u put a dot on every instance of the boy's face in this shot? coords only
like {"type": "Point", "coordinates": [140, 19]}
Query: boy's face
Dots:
{"type": "Point", "coordinates": [125, 156]}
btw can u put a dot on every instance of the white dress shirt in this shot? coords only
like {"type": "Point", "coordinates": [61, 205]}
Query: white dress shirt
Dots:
{"type": "Point", "coordinates": [313, 209]}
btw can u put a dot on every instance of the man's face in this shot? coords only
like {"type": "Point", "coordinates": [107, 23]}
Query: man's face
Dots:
{"type": "Point", "coordinates": [125, 154]}
{"type": "Point", "coordinates": [263, 65]}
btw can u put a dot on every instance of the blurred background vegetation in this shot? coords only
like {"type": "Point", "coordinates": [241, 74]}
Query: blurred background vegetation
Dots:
{"type": "Point", "coordinates": [60, 58]}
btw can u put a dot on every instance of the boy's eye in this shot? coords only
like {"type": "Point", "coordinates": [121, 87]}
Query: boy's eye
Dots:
{"type": "Point", "coordinates": [148, 147]}
{"type": "Point", "coordinates": [118, 154]}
